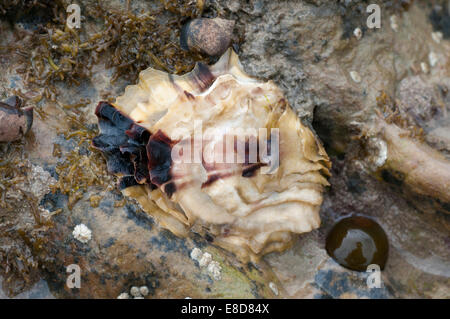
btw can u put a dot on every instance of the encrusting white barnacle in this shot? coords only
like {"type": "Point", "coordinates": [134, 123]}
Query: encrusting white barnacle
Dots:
{"type": "Point", "coordinates": [82, 233]}
{"type": "Point", "coordinates": [251, 196]}
{"type": "Point", "coordinates": [355, 76]}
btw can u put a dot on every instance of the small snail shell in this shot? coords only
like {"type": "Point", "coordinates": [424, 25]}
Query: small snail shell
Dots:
{"type": "Point", "coordinates": [210, 36]}
{"type": "Point", "coordinates": [15, 121]}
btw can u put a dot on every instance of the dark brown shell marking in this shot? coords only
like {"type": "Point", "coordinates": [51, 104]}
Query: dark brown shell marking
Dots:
{"type": "Point", "coordinates": [142, 157]}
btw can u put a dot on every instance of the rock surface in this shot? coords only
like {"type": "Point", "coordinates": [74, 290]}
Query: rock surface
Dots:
{"type": "Point", "coordinates": [309, 50]}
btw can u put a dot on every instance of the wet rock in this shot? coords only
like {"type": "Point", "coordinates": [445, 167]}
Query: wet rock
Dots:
{"type": "Point", "coordinates": [307, 48]}
{"type": "Point", "coordinates": [127, 251]}
{"type": "Point", "coordinates": [425, 104]}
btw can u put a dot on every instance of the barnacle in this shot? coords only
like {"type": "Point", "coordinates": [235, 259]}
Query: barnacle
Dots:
{"type": "Point", "coordinates": [247, 205]}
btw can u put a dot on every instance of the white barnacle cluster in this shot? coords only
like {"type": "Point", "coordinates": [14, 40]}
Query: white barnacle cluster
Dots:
{"type": "Point", "coordinates": [246, 206]}
{"type": "Point", "coordinates": [205, 261]}
{"type": "Point", "coordinates": [135, 293]}
{"type": "Point", "coordinates": [82, 233]}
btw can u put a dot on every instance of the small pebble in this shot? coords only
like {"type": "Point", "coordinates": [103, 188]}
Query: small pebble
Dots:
{"type": "Point", "coordinates": [134, 291]}
{"type": "Point", "coordinates": [123, 295]}
{"type": "Point", "coordinates": [355, 76]}
{"type": "Point", "coordinates": [143, 290]}
{"type": "Point", "coordinates": [82, 233]}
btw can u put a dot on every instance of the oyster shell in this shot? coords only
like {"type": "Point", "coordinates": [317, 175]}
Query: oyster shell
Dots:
{"type": "Point", "coordinates": [242, 205]}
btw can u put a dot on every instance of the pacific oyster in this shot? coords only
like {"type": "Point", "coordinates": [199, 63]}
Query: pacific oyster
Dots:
{"type": "Point", "coordinates": [243, 205]}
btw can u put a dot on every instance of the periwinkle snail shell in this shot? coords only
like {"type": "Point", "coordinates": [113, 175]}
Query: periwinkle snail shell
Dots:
{"type": "Point", "coordinates": [15, 121]}
{"type": "Point", "coordinates": [210, 36]}
{"type": "Point", "coordinates": [356, 242]}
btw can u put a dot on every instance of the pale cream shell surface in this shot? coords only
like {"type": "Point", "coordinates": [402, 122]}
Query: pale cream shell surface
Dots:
{"type": "Point", "coordinates": [249, 216]}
